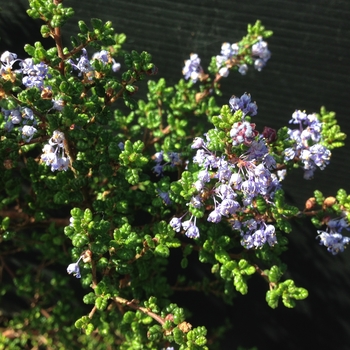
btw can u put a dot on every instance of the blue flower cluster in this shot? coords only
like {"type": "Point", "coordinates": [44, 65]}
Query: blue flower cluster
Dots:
{"type": "Point", "coordinates": [233, 183]}
{"type": "Point", "coordinates": [227, 59]}
{"type": "Point", "coordinates": [174, 160]}
{"type": "Point", "coordinates": [332, 238]}
{"type": "Point", "coordinates": [84, 65]}
{"type": "Point", "coordinates": [306, 146]}
{"type": "Point", "coordinates": [8, 59]}
{"type": "Point", "coordinates": [192, 68]}
{"type": "Point", "coordinates": [228, 52]}
{"type": "Point", "coordinates": [261, 54]}
{"type": "Point", "coordinates": [190, 227]}
{"type": "Point", "coordinates": [20, 116]}
{"type": "Point", "coordinates": [53, 152]}
{"type": "Point", "coordinates": [33, 74]}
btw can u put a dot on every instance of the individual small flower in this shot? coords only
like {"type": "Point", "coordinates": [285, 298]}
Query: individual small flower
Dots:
{"type": "Point", "coordinates": [60, 163]}
{"type": "Point", "coordinates": [224, 72]}
{"type": "Point", "coordinates": [115, 66]}
{"type": "Point", "coordinates": [74, 268]}
{"type": "Point", "coordinates": [174, 158]}
{"type": "Point", "coordinates": [8, 126]}
{"type": "Point", "coordinates": [57, 138]}
{"type": "Point", "coordinates": [281, 174]}
{"type": "Point", "coordinates": [58, 104]}
{"type": "Point", "coordinates": [196, 201]}
{"type": "Point", "coordinates": [28, 132]}
{"type": "Point", "coordinates": [192, 232]}
{"type": "Point", "coordinates": [198, 142]}
{"type": "Point", "coordinates": [164, 196]}
{"type": "Point", "coordinates": [204, 176]}
{"type": "Point", "coordinates": [7, 61]}
{"type": "Point", "coordinates": [158, 169]}
{"type": "Point", "coordinates": [159, 157]}
{"type": "Point", "coordinates": [8, 57]}
{"type": "Point", "coordinates": [214, 216]}
{"type": "Point", "coordinates": [84, 64]}
{"type": "Point", "coordinates": [27, 114]}
{"type": "Point", "coordinates": [243, 69]}
{"type": "Point", "coordinates": [175, 223]}
{"type": "Point", "coordinates": [15, 116]}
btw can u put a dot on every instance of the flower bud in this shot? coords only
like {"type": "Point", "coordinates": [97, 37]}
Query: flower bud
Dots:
{"type": "Point", "coordinates": [310, 203]}
{"type": "Point", "coordinates": [185, 327]}
{"type": "Point", "coordinates": [328, 202]}
{"type": "Point", "coordinates": [269, 134]}
{"type": "Point", "coordinates": [87, 255]}
{"type": "Point", "coordinates": [169, 317]}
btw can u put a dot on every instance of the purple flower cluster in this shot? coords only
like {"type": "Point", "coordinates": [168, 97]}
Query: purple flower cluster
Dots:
{"type": "Point", "coordinates": [33, 74]}
{"type": "Point", "coordinates": [232, 184]}
{"type": "Point", "coordinates": [229, 53]}
{"type": "Point", "coordinates": [306, 147]}
{"type": "Point", "coordinates": [244, 104]}
{"type": "Point", "coordinates": [105, 57]}
{"type": "Point", "coordinates": [20, 116]}
{"type": "Point", "coordinates": [53, 152]}
{"type": "Point", "coordinates": [332, 238]}
{"type": "Point", "coordinates": [174, 160]}
{"type": "Point", "coordinates": [261, 54]}
{"type": "Point", "coordinates": [84, 65]}
{"type": "Point", "coordinates": [192, 69]}
{"type": "Point", "coordinates": [257, 233]}
{"type": "Point", "coordinates": [7, 60]}
{"type": "Point", "coordinates": [190, 226]}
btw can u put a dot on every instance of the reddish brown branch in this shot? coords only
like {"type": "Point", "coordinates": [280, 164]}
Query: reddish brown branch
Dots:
{"type": "Point", "coordinates": [133, 304]}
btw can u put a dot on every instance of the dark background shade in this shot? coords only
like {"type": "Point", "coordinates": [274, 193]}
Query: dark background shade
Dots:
{"type": "Point", "coordinates": [309, 67]}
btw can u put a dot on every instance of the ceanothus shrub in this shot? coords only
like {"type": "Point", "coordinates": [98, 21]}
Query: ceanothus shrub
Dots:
{"type": "Point", "coordinates": [99, 187]}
